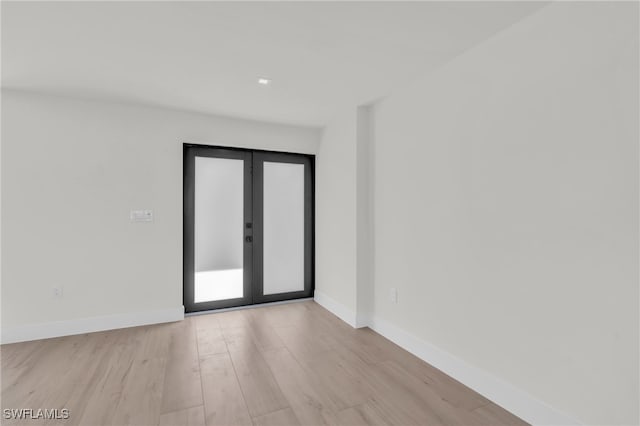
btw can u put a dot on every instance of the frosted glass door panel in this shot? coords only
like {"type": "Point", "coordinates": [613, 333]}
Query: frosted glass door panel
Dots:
{"type": "Point", "coordinates": [283, 217]}
{"type": "Point", "coordinates": [218, 229]}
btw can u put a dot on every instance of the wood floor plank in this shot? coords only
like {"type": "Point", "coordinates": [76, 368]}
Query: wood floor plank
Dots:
{"type": "Point", "coordinates": [193, 416]}
{"type": "Point", "coordinates": [303, 393]}
{"type": "Point", "coordinates": [282, 315]}
{"type": "Point", "coordinates": [448, 388]}
{"type": "Point", "coordinates": [76, 380]}
{"type": "Point", "coordinates": [285, 417]}
{"type": "Point", "coordinates": [391, 398]}
{"type": "Point", "coordinates": [260, 389]}
{"type": "Point", "coordinates": [74, 401]}
{"type": "Point", "coordinates": [84, 377]}
{"type": "Point", "coordinates": [412, 397]}
{"type": "Point", "coordinates": [183, 340]}
{"type": "Point", "coordinates": [367, 345]}
{"type": "Point", "coordinates": [300, 342]}
{"type": "Point", "coordinates": [24, 354]}
{"type": "Point", "coordinates": [34, 386]}
{"type": "Point", "coordinates": [100, 407]}
{"type": "Point", "coordinates": [109, 382]}
{"type": "Point", "coordinates": [224, 403]}
{"type": "Point", "coordinates": [372, 348]}
{"type": "Point", "coordinates": [152, 341]}
{"type": "Point", "coordinates": [491, 414]}
{"type": "Point", "coordinates": [182, 386]}
{"type": "Point", "coordinates": [360, 415]}
{"type": "Point", "coordinates": [210, 340]}
{"type": "Point", "coordinates": [262, 333]}
{"type": "Point", "coordinates": [141, 396]}
{"type": "Point", "coordinates": [238, 338]}
{"type": "Point", "coordinates": [339, 377]}
{"type": "Point", "coordinates": [285, 364]}
{"type": "Point", "coordinates": [231, 319]}
{"type": "Point", "coordinates": [206, 321]}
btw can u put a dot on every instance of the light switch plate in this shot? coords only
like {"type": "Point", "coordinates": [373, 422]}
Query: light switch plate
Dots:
{"type": "Point", "coordinates": [141, 216]}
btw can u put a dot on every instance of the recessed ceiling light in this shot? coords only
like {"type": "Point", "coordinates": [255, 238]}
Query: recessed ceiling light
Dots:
{"type": "Point", "coordinates": [264, 81]}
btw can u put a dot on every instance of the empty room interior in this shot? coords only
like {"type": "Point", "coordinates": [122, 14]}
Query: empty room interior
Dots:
{"type": "Point", "coordinates": [336, 213]}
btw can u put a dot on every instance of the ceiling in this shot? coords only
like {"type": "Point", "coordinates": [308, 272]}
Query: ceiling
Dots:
{"type": "Point", "coordinates": [207, 56]}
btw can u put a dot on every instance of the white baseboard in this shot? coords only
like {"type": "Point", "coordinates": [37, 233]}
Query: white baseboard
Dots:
{"type": "Point", "coordinates": [47, 330]}
{"type": "Point", "coordinates": [337, 308]}
{"type": "Point", "coordinates": [512, 399]}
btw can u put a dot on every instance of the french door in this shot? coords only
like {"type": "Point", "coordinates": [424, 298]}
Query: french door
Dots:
{"type": "Point", "coordinates": [248, 227]}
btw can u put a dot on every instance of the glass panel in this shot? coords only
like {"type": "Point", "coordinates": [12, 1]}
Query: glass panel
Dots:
{"type": "Point", "coordinates": [283, 209]}
{"type": "Point", "coordinates": [218, 232]}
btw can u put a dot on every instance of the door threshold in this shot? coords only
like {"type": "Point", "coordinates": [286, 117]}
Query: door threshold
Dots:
{"type": "Point", "coordinates": [237, 308]}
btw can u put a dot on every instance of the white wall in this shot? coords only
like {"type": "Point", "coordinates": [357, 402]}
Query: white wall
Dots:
{"type": "Point", "coordinates": [506, 208]}
{"type": "Point", "coordinates": [336, 216]}
{"type": "Point", "coordinates": [71, 171]}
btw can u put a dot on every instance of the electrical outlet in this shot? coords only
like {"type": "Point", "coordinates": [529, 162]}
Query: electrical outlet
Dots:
{"type": "Point", "coordinates": [58, 291]}
{"type": "Point", "coordinates": [393, 295]}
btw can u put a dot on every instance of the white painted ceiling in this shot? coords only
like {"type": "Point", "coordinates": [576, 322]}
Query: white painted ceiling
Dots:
{"type": "Point", "coordinates": [207, 56]}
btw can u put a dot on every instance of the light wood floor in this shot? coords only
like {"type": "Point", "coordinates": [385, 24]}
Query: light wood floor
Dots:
{"type": "Point", "coordinates": [278, 365]}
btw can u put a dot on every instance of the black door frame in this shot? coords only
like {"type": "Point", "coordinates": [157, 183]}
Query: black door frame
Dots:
{"type": "Point", "coordinates": [253, 245]}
